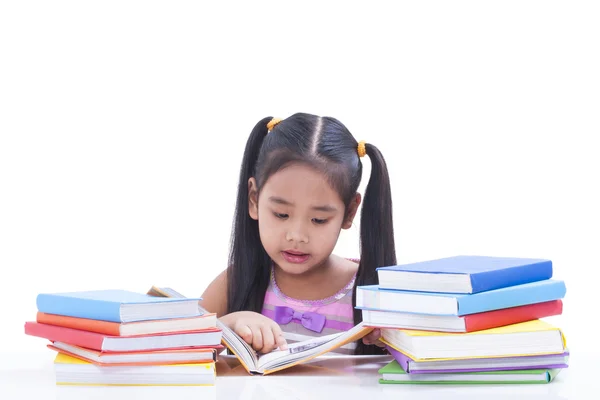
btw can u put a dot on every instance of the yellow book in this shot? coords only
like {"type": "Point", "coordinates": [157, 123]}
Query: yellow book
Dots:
{"type": "Point", "coordinates": [536, 325]}
{"type": "Point", "coordinates": [74, 371]}
{"type": "Point", "coordinates": [535, 337]}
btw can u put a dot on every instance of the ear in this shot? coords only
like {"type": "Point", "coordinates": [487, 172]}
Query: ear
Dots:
{"type": "Point", "coordinates": [352, 209]}
{"type": "Point", "coordinates": [252, 199]}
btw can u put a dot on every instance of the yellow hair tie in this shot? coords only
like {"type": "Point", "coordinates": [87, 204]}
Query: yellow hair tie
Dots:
{"type": "Point", "coordinates": [272, 123]}
{"type": "Point", "coordinates": [362, 150]}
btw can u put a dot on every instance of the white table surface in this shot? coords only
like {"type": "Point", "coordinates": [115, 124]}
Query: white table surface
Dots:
{"type": "Point", "coordinates": [31, 376]}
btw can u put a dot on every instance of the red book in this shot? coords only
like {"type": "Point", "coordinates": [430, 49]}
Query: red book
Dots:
{"type": "Point", "coordinates": [109, 343]}
{"type": "Point", "coordinates": [513, 315]}
{"type": "Point", "coordinates": [466, 323]}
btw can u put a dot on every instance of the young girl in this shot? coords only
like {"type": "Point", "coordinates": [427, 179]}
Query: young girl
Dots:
{"type": "Point", "coordinates": [297, 190]}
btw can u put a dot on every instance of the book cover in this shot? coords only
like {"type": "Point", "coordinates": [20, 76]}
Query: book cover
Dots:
{"type": "Point", "coordinates": [99, 341]}
{"type": "Point", "coordinates": [73, 371]}
{"type": "Point", "coordinates": [529, 326]}
{"type": "Point", "coordinates": [512, 315]}
{"type": "Point", "coordinates": [376, 298]}
{"type": "Point", "coordinates": [205, 321]}
{"type": "Point", "coordinates": [393, 373]}
{"type": "Point", "coordinates": [482, 273]}
{"type": "Point", "coordinates": [154, 357]}
{"type": "Point", "coordinates": [546, 361]}
{"type": "Point", "coordinates": [115, 305]}
{"type": "Point", "coordinates": [467, 323]}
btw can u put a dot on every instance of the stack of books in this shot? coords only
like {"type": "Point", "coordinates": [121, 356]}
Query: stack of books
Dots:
{"type": "Point", "coordinates": [118, 337]}
{"type": "Point", "coordinates": [468, 319]}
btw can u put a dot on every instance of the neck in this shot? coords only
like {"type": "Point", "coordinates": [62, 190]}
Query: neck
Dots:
{"type": "Point", "coordinates": [320, 282]}
{"type": "Point", "coordinates": [311, 277]}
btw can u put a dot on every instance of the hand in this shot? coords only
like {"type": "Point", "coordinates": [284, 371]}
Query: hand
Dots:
{"type": "Point", "coordinates": [373, 338]}
{"type": "Point", "coordinates": [262, 333]}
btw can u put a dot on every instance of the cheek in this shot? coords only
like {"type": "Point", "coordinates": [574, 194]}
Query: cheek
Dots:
{"type": "Point", "coordinates": [326, 237]}
{"type": "Point", "coordinates": [268, 230]}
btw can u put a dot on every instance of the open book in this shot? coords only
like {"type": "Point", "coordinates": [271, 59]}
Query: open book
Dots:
{"type": "Point", "coordinates": [297, 353]}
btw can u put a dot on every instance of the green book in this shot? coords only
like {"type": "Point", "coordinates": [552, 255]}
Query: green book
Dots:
{"type": "Point", "coordinates": [394, 374]}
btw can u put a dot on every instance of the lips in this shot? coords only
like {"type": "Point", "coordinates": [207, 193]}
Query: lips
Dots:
{"type": "Point", "coordinates": [295, 257]}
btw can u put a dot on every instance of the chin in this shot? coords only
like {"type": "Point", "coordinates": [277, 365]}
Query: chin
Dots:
{"type": "Point", "coordinates": [295, 268]}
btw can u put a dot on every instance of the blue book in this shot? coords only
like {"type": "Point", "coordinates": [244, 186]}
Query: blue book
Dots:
{"type": "Point", "coordinates": [464, 274]}
{"type": "Point", "coordinates": [374, 297]}
{"type": "Point", "coordinates": [116, 306]}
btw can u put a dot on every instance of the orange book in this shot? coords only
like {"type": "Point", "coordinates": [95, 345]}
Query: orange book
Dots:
{"type": "Point", "coordinates": [206, 321]}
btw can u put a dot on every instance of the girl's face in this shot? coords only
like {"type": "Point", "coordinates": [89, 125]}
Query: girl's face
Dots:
{"type": "Point", "coordinates": [299, 217]}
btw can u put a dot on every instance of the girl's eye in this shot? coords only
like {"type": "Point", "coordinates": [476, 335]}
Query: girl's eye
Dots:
{"type": "Point", "coordinates": [281, 216]}
{"type": "Point", "coordinates": [319, 221]}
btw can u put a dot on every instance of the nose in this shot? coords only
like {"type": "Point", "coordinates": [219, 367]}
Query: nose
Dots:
{"type": "Point", "coordinates": [297, 233]}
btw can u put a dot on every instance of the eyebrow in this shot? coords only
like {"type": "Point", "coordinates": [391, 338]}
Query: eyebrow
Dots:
{"type": "Point", "coordinates": [324, 208]}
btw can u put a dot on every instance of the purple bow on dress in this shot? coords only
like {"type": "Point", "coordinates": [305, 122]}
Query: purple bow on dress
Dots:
{"type": "Point", "coordinates": [310, 320]}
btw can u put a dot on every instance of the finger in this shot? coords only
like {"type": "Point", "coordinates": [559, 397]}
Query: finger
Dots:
{"type": "Point", "coordinates": [373, 338]}
{"type": "Point", "coordinates": [378, 342]}
{"type": "Point", "coordinates": [257, 342]}
{"type": "Point", "coordinates": [369, 339]}
{"type": "Point", "coordinates": [268, 338]}
{"type": "Point", "coordinates": [279, 338]}
{"type": "Point", "coordinates": [245, 333]}
{"type": "Point", "coordinates": [281, 342]}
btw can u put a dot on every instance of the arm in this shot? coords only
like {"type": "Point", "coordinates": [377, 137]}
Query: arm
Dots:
{"type": "Point", "coordinates": [214, 298]}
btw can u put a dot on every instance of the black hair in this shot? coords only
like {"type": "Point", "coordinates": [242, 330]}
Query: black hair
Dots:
{"type": "Point", "coordinates": [325, 144]}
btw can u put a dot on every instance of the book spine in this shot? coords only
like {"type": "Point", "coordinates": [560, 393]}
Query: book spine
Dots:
{"type": "Point", "coordinates": [513, 315]}
{"type": "Point", "coordinates": [80, 308]}
{"type": "Point", "coordinates": [496, 279]}
{"type": "Point", "coordinates": [510, 297]}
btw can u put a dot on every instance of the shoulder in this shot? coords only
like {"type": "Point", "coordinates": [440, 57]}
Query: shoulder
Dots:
{"type": "Point", "coordinates": [346, 267]}
{"type": "Point", "coordinates": [347, 263]}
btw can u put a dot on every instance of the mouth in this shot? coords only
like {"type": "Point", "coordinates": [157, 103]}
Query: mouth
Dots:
{"type": "Point", "coordinates": [295, 257]}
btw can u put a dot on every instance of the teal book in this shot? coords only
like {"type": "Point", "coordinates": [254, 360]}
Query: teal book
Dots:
{"type": "Point", "coordinates": [393, 373]}
{"type": "Point", "coordinates": [373, 297]}
{"type": "Point", "coordinates": [116, 306]}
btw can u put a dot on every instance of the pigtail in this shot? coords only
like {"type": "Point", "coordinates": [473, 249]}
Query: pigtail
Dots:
{"type": "Point", "coordinates": [249, 263]}
{"type": "Point", "coordinates": [377, 248]}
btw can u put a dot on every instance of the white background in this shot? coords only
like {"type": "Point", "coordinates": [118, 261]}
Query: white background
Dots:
{"type": "Point", "coordinates": [122, 127]}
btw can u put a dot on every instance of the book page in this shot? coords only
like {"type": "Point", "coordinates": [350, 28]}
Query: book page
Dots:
{"type": "Point", "coordinates": [295, 350]}
{"type": "Point", "coordinates": [306, 350]}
